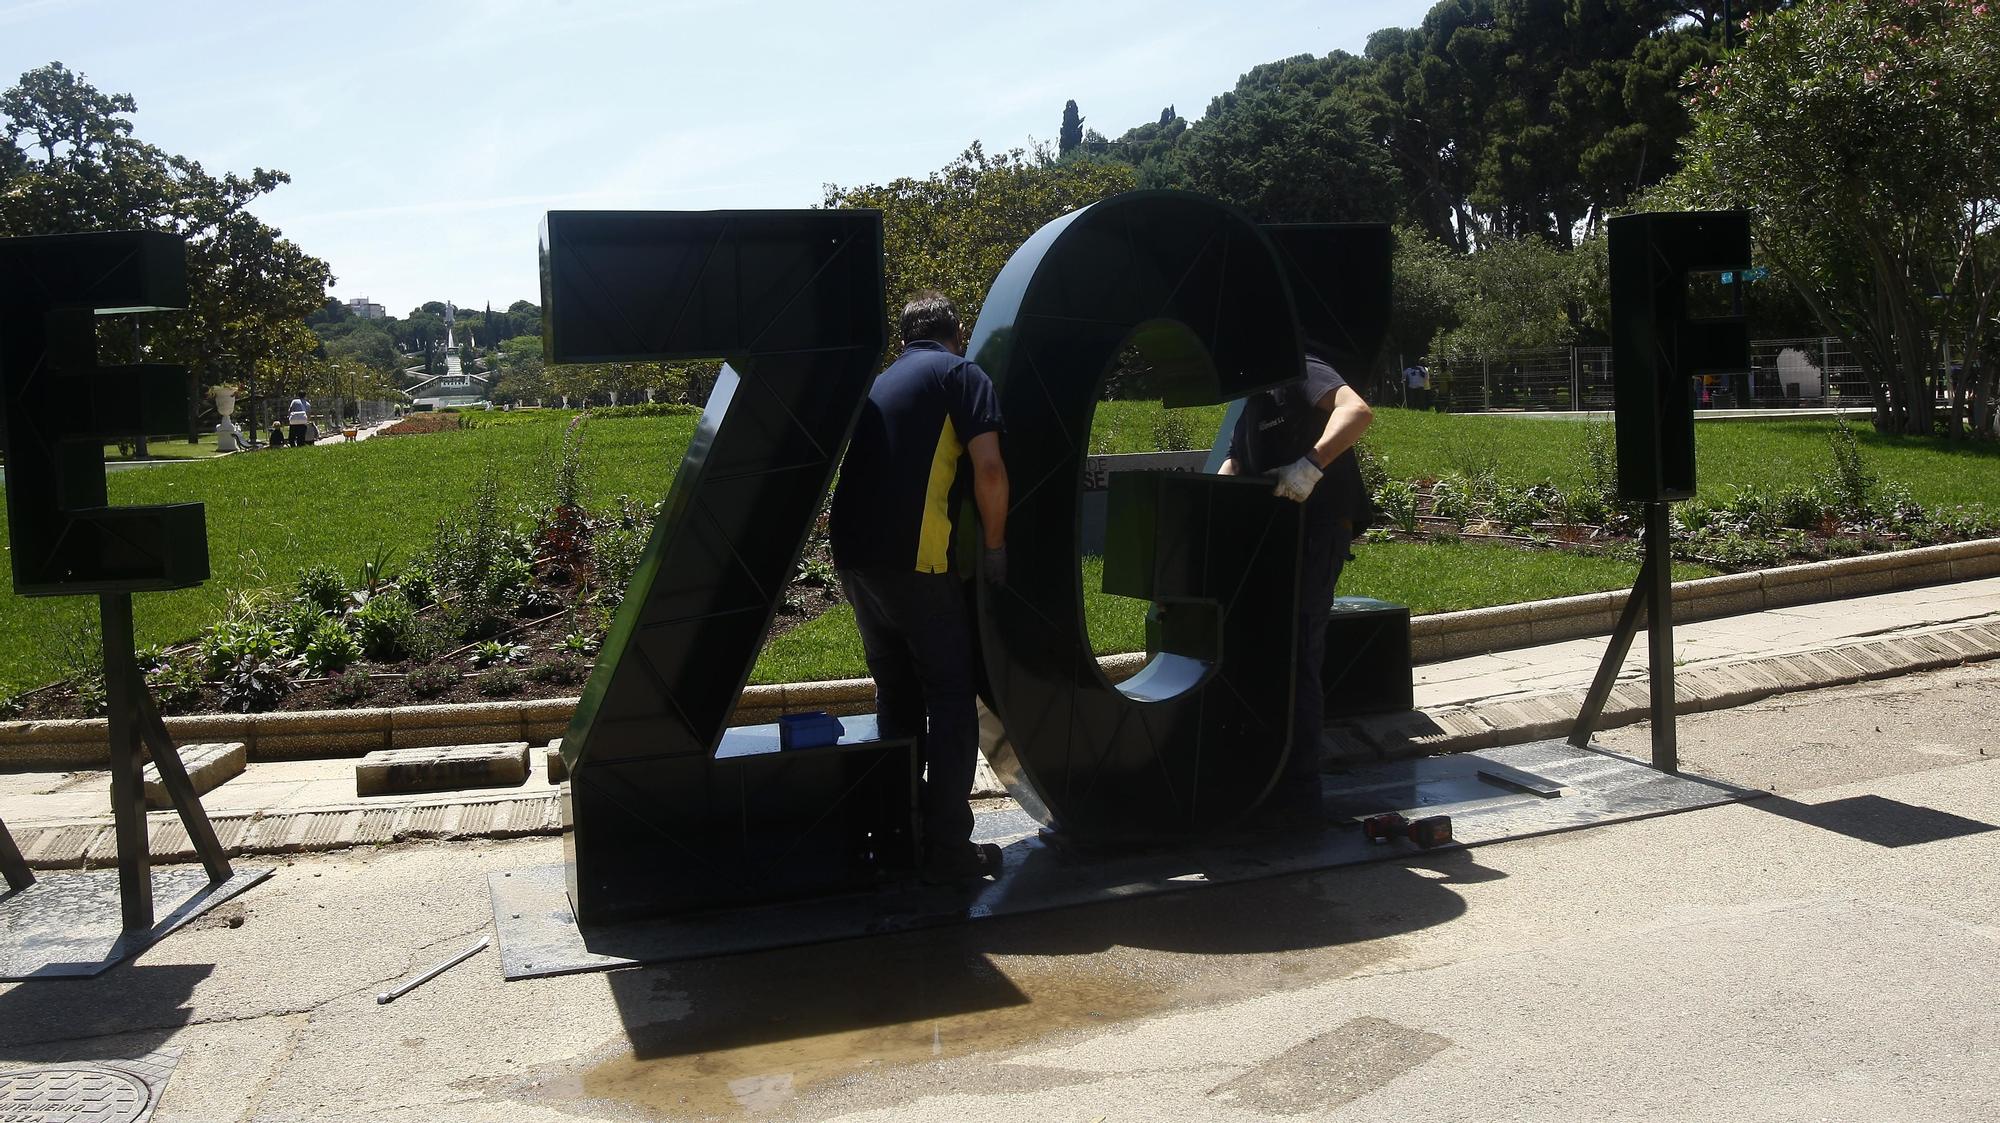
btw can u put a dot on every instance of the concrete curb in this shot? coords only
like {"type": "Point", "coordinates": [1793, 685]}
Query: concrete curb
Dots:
{"type": "Point", "coordinates": [92, 843]}
{"type": "Point", "coordinates": [311, 734]}
{"type": "Point", "coordinates": [1714, 686]}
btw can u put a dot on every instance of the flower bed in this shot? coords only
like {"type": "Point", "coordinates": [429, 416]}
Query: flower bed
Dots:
{"type": "Point", "coordinates": [421, 423]}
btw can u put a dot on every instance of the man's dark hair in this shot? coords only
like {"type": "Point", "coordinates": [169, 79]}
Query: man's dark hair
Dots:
{"type": "Point", "coordinates": [929, 315]}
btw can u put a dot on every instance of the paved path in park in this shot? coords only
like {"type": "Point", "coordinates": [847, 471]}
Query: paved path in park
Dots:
{"type": "Point", "coordinates": [1828, 954]}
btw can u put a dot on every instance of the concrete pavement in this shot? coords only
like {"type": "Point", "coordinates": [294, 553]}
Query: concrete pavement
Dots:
{"type": "Point", "coordinates": [1828, 954]}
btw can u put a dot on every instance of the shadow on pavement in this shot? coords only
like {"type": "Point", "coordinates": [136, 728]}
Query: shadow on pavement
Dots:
{"type": "Point", "coordinates": [1013, 979]}
{"type": "Point", "coordinates": [1876, 819]}
{"type": "Point", "coordinates": [45, 1020]}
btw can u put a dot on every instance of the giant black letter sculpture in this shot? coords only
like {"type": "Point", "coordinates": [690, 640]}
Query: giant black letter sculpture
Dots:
{"type": "Point", "coordinates": [60, 408]}
{"type": "Point", "coordinates": [668, 812]}
{"type": "Point", "coordinates": [1197, 739]}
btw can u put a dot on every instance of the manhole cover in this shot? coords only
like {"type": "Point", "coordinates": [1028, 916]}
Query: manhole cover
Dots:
{"type": "Point", "coordinates": [72, 1095]}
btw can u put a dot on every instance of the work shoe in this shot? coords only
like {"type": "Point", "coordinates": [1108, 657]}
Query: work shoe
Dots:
{"type": "Point", "coordinates": [968, 862]}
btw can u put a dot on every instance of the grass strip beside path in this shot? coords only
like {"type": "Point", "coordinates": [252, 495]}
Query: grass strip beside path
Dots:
{"type": "Point", "coordinates": [1526, 449]}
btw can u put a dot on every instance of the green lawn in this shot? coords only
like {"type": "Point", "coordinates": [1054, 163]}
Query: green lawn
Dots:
{"type": "Point", "coordinates": [269, 513]}
{"type": "Point", "coordinates": [1729, 454]}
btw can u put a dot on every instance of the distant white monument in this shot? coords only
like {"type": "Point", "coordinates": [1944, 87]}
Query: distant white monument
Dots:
{"type": "Point", "coordinates": [1801, 377]}
{"type": "Point", "coordinates": [228, 437]}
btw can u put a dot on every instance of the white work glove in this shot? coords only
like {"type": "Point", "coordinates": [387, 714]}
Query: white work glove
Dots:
{"type": "Point", "coordinates": [1296, 482]}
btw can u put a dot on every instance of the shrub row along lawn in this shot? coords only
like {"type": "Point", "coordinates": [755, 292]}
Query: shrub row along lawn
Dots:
{"type": "Point", "coordinates": [1729, 455]}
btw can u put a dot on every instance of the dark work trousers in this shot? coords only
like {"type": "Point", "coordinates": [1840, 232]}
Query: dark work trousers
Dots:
{"type": "Point", "coordinates": [1326, 545]}
{"type": "Point", "coordinates": [918, 643]}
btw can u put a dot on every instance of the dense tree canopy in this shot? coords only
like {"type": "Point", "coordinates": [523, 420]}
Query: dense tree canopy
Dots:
{"type": "Point", "coordinates": [1864, 138]}
{"type": "Point", "coordinates": [953, 229]}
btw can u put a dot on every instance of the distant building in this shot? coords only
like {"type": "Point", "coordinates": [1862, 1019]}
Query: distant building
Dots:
{"type": "Point", "coordinates": [367, 310]}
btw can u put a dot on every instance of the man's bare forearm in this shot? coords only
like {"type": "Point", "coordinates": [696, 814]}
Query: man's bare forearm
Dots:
{"type": "Point", "coordinates": [989, 494]}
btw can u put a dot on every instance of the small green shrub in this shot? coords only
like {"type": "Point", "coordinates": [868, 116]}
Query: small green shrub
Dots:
{"type": "Point", "coordinates": [330, 648]}
{"type": "Point", "coordinates": [1522, 507]}
{"type": "Point", "coordinates": [429, 682]}
{"type": "Point", "coordinates": [616, 552]}
{"type": "Point", "coordinates": [321, 586]}
{"type": "Point", "coordinates": [175, 684]}
{"type": "Point", "coordinates": [582, 645]}
{"type": "Point", "coordinates": [229, 641]}
{"type": "Point", "coordinates": [418, 586]}
{"type": "Point", "coordinates": [384, 626]}
{"type": "Point", "coordinates": [254, 685]}
{"type": "Point", "coordinates": [1693, 516]}
{"type": "Point", "coordinates": [354, 685]}
{"type": "Point", "coordinates": [563, 670]}
{"type": "Point", "coordinates": [1800, 508]}
{"type": "Point", "coordinates": [500, 682]}
{"type": "Point", "coordinates": [492, 653]}
{"type": "Point", "coordinates": [1600, 460]}
{"type": "Point", "coordinates": [91, 696]}
{"type": "Point", "coordinates": [1848, 481]}
{"type": "Point", "coordinates": [294, 625]}
{"type": "Point", "coordinates": [1397, 500]}
{"type": "Point", "coordinates": [1582, 505]}
{"type": "Point", "coordinates": [1451, 500]}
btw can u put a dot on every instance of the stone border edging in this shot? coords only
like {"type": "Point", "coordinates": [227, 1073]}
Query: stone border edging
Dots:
{"type": "Point", "coordinates": [1713, 686]}
{"type": "Point", "coordinates": [309, 734]}
{"type": "Point", "coordinates": [1477, 631]}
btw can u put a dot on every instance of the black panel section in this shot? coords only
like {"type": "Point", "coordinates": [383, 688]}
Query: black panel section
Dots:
{"type": "Point", "coordinates": [1195, 741]}
{"type": "Point", "coordinates": [741, 828]}
{"type": "Point", "coordinates": [1367, 668]}
{"type": "Point", "coordinates": [58, 408]}
{"type": "Point", "coordinates": [1657, 350]}
{"type": "Point", "coordinates": [793, 299]}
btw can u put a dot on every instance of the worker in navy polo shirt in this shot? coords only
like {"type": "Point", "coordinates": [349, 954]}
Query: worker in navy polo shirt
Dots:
{"type": "Point", "coordinates": [930, 412]}
{"type": "Point", "coordinates": [1303, 434]}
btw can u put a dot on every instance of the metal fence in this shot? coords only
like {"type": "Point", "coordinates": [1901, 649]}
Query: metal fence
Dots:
{"type": "Point", "coordinates": [1783, 372]}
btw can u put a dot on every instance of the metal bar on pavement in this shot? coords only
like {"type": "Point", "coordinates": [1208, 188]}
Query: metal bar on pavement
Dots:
{"type": "Point", "coordinates": [388, 996]}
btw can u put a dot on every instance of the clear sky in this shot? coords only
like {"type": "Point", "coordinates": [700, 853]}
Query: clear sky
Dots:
{"type": "Point", "coordinates": [425, 140]}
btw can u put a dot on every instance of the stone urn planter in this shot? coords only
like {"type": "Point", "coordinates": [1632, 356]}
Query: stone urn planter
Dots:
{"type": "Point", "coordinates": [228, 437]}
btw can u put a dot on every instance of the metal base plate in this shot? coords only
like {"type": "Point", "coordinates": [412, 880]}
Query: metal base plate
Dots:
{"type": "Point", "coordinates": [67, 925]}
{"type": "Point", "coordinates": [1492, 795]}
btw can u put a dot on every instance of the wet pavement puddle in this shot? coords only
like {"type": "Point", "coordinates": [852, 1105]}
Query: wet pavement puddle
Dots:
{"type": "Point", "coordinates": [878, 1022]}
